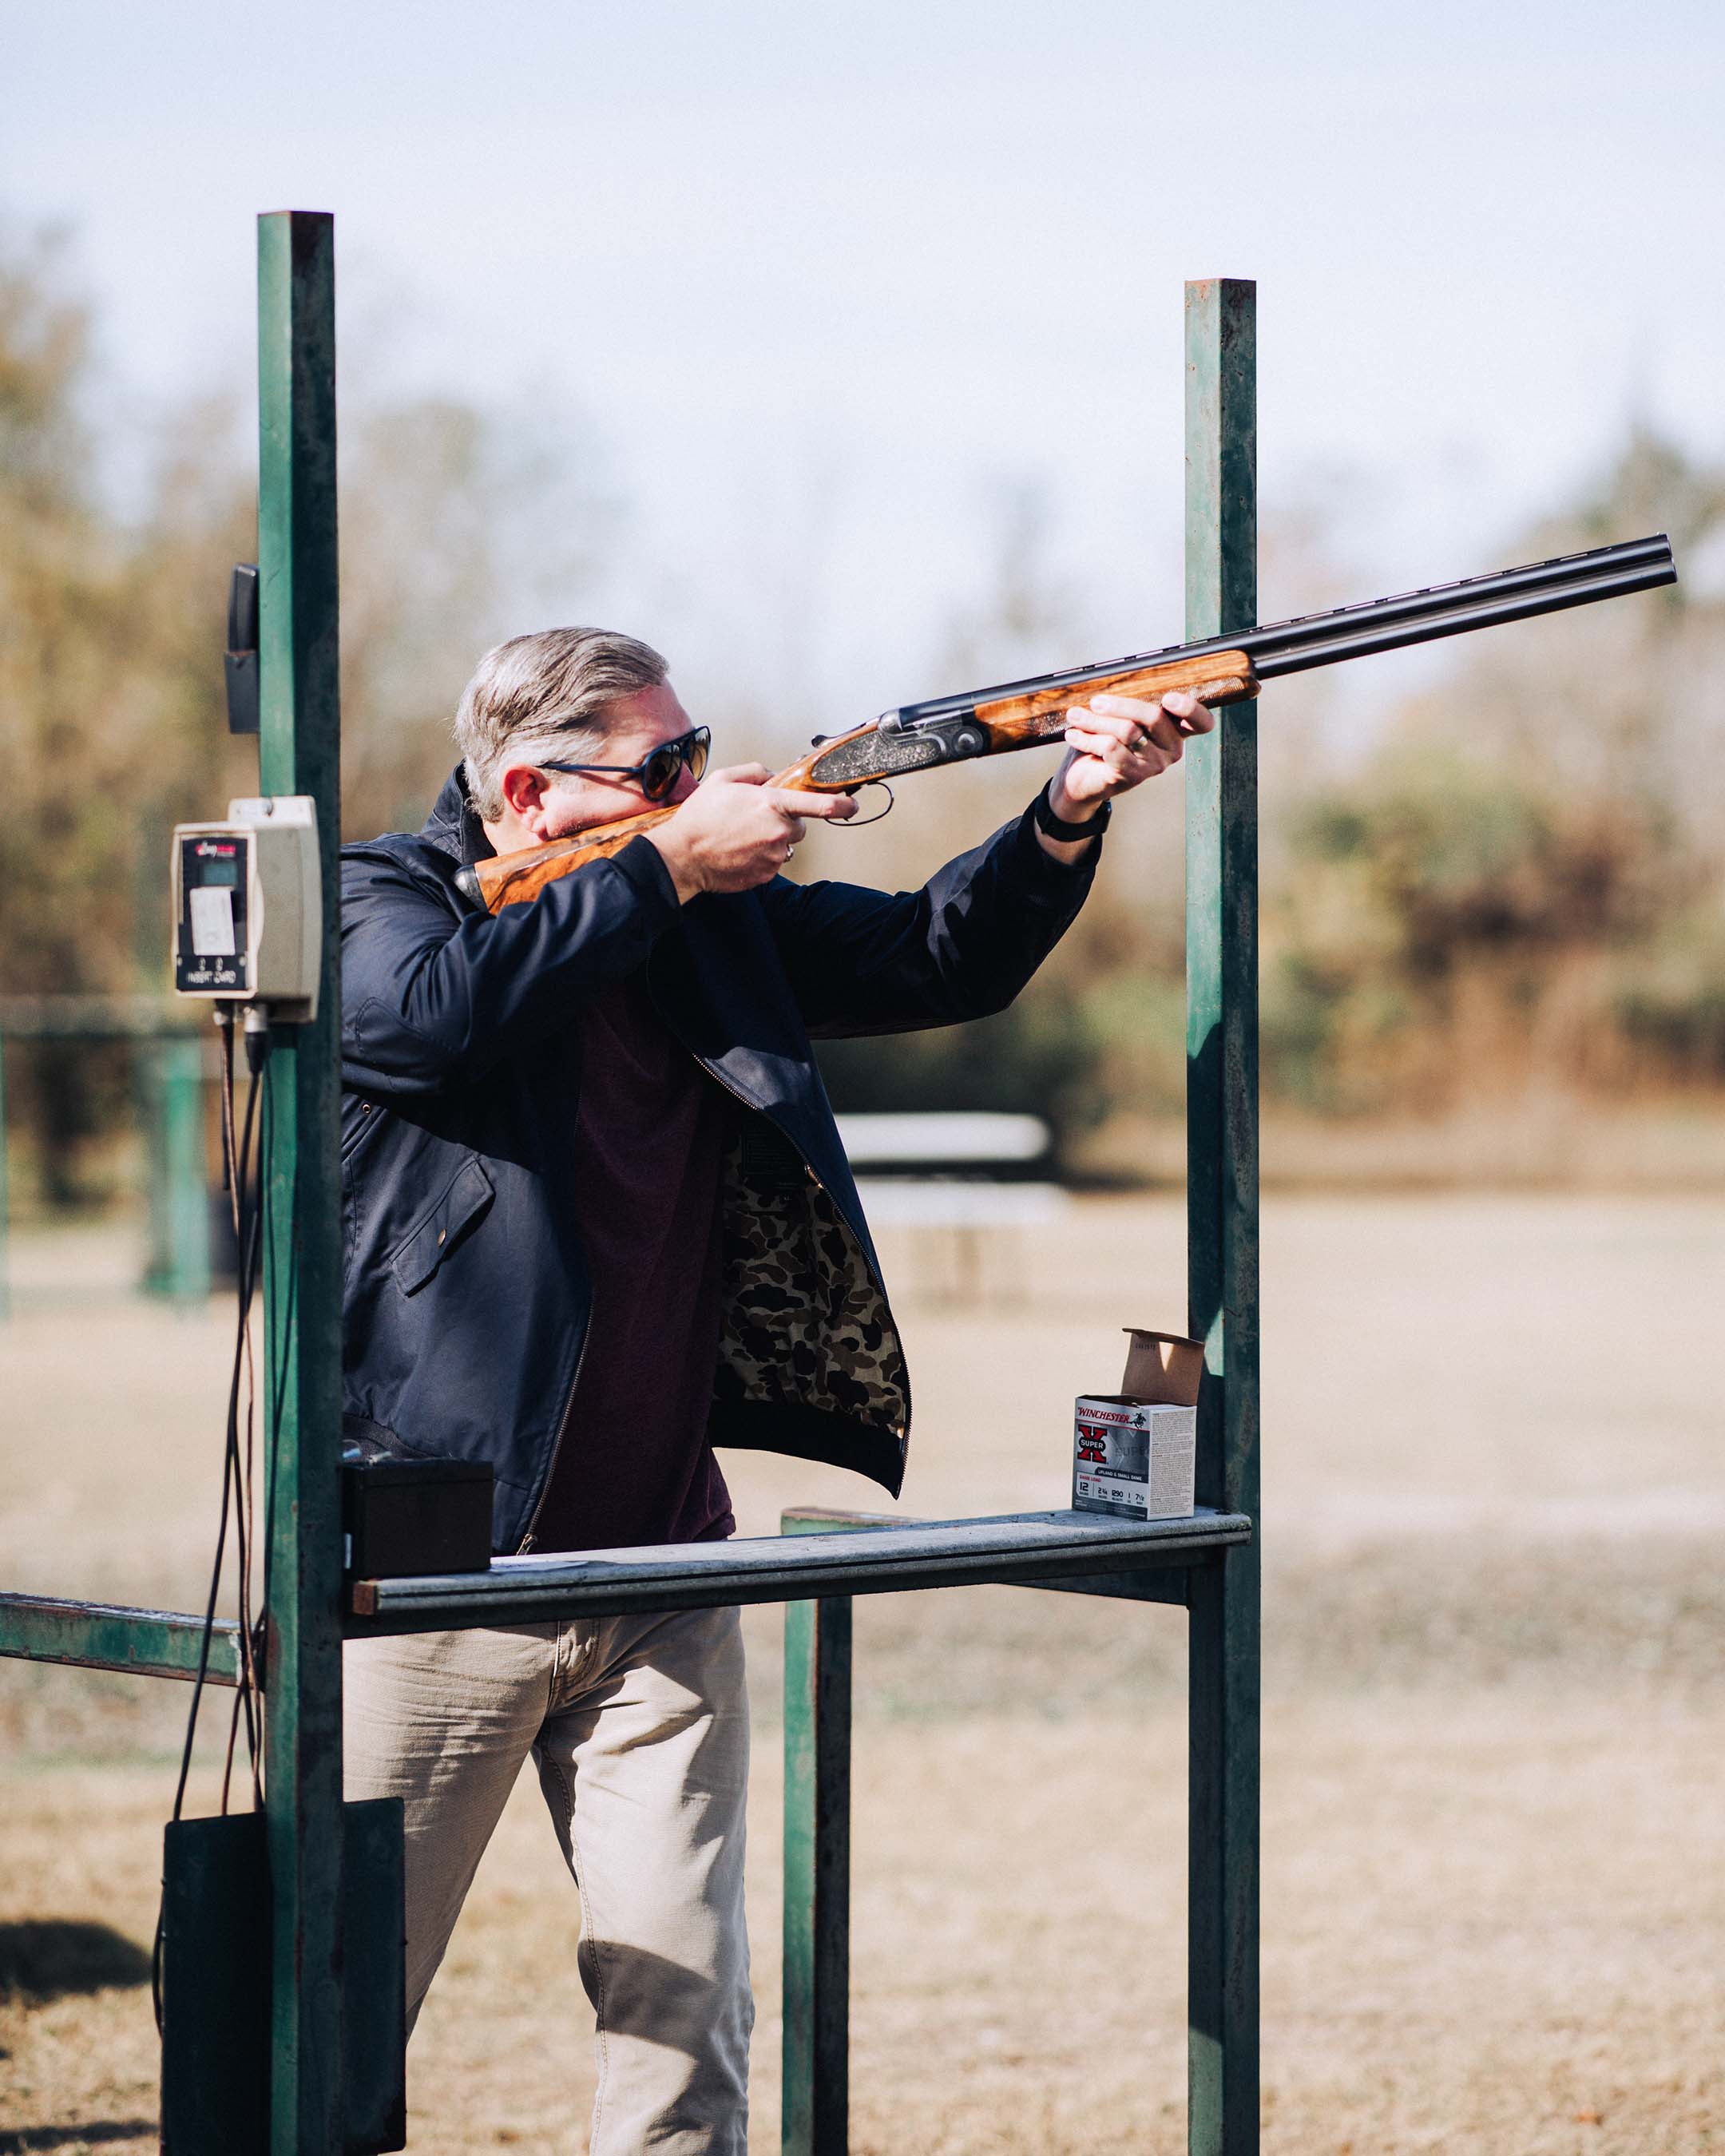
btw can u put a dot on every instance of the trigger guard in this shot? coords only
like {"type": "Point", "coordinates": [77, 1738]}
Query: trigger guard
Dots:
{"type": "Point", "coordinates": [859, 822]}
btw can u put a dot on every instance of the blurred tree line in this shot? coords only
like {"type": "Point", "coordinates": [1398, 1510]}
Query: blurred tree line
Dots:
{"type": "Point", "coordinates": [1517, 883]}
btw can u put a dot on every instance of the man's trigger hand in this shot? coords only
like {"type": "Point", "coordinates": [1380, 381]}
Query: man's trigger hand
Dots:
{"type": "Point", "coordinates": [736, 830]}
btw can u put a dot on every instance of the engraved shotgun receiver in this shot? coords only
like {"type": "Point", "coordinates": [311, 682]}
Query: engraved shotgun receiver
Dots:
{"type": "Point", "coordinates": [1222, 670]}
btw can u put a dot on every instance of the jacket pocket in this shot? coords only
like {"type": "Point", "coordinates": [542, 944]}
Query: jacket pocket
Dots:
{"type": "Point", "coordinates": [442, 1226]}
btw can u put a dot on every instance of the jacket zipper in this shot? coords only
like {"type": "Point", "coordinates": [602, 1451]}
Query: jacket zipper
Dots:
{"type": "Point", "coordinates": [528, 1540]}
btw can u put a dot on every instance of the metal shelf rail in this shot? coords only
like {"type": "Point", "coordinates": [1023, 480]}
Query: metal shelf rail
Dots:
{"type": "Point", "coordinates": [1207, 1564]}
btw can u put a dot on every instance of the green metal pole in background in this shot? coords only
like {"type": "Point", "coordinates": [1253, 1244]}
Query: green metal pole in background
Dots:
{"type": "Point", "coordinates": [179, 1195]}
{"type": "Point", "coordinates": [5, 1197]}
{"type": "Point", "coordinates": [1222, 1228]}
{"type": "Point", "coordinates": [817, 1878]}
{"type": "Point", "coordinates": [298, 752]}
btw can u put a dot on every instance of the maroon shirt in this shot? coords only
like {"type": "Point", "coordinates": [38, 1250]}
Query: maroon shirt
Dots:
{"type": "Point", "coordinates": [634, 1465]}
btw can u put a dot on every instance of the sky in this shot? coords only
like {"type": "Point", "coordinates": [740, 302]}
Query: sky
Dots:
{"type": "Point", "coordinates": [827, 283]}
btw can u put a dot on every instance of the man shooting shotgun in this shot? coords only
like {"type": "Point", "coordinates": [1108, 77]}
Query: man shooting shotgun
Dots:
{"type": "Point", "coordinates": [598, 1222]}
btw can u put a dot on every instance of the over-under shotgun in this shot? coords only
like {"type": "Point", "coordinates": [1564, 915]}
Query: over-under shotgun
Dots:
{"type": "Point", "coordinates": [1220, 669]}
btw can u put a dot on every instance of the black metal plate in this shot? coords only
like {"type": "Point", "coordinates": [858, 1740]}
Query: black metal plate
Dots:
{"type": "Point", "coordinates": [215, 1970]}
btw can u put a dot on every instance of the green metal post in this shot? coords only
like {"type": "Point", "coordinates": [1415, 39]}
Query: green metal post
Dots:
{"type": "Point", "coordinates": [298, 752]}
{"type": "Point", "coordinates": [149, 1097]}
{"type": "Point", "coordinates": [5, 1197]}
{"type": "Point", "coordinates": [179, 1197]}
{"type": "Point", "coordinates": [817, 1878]}
{"type": "Point", "coordinates": [1222, 1229]}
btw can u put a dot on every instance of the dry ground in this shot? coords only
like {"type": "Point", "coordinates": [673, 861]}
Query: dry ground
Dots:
{"type": "Point", "coordinates": [1494, 1902]}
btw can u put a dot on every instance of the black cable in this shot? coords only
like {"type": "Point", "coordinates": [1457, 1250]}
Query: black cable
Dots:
{"type": "Point", "coordinates": [233, 1180]}
{"type": "Point", "coordinates": [288, 1291]}
{"type": "Point", "coordinates": [248, 1268]}
{"type": "Point", "coordinates": [249, 1219]}
{"type": "Point", "coordinates": [246, 1703]}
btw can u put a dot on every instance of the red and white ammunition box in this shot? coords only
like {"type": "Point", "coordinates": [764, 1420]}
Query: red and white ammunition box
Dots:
{"type": "Point", "coordinates": [1133, 1451]}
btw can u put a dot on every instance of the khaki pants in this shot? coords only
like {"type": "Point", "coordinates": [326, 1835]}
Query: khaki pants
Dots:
{"type": "Point", "coordinates": [638, 1726]}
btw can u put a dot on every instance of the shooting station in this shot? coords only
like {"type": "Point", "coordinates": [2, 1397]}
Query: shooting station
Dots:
{"type": "Point", "coordinates": [281, 1968]}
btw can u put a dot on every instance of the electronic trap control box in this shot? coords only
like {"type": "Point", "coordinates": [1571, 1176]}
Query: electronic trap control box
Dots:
{"type": "Point", "coordinates": [248, 901]}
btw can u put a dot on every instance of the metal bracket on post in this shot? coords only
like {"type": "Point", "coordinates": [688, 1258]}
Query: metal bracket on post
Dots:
{"type": "Point", "coordinates": [1222, 1228]}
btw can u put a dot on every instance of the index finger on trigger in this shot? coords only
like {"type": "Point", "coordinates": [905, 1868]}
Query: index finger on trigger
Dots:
{"type": "Point", "coordinates": [793, 801]}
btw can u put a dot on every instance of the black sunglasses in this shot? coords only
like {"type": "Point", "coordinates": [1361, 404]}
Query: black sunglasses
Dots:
{"type": "Point", "coordinates": [657, 774]}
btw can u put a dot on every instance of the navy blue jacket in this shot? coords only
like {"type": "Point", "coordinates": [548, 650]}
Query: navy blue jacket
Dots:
{"type": "Point", "coordinates": [467, 1289]}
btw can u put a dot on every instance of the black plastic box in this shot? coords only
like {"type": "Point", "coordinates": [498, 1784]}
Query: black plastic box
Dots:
{"type": "Point", "coordinates": [403, 1517]}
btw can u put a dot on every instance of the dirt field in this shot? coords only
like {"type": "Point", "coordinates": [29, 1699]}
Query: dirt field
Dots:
{"type": "Point", "coordinates": [1494, 1902]}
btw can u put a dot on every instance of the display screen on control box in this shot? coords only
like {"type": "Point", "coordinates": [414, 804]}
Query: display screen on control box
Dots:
{"type": "Point", "coordinates": [211, 955]}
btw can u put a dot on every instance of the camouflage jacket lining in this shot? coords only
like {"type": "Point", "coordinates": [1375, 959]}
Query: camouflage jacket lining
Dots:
{"type": "Point", "coordinates": [806, 1327]}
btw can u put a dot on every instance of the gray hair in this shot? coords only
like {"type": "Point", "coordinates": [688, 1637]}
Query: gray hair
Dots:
{"type": "Point", "coordinates": [548, 690]}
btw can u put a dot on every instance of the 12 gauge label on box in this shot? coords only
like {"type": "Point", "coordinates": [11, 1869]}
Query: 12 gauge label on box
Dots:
{"type": "Point", "coordinates": [1133, 1458]}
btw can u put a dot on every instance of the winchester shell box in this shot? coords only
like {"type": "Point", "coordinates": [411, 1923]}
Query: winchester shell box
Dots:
{"type": "Point", "coordinates": [1134, 1452]}
{"type": "Point", "coordinates": [400, 1517]}
{"type": "Point", "coordinates": [1132, 1458]}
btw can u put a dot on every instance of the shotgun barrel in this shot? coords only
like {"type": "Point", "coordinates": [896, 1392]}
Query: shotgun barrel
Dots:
{"type": "Point", "coordinates": [1352, 632]}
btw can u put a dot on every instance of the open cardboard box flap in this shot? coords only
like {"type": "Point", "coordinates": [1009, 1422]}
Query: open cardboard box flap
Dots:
{"type": "Point", "coordinates": [1162, 1369]}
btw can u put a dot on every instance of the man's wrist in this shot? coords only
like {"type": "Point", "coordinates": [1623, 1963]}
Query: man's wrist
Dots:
{"type": "Point", "coordinates": [1065, 829]}
{"type": "Point", "coordinates": [678, 865]}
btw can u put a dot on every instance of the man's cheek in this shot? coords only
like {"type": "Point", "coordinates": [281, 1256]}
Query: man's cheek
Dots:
{"type": "Point", "coordinates": [564, 819]}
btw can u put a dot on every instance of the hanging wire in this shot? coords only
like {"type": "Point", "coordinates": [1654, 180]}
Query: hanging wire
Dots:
{"type": "Point", "coordinates": [247, 1693]}
{"type": "Point", "coordinates": [283, 1321]}
{"type": "Point", "coordinates": [245, 1189]}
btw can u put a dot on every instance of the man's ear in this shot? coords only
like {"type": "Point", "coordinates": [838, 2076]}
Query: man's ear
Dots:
{"type": "Point", "coordinates": [523, 789]}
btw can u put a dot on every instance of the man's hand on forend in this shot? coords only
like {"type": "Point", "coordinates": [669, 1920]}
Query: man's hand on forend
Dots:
{"type": "Point", "coordinates": [1117, 742]}
{"type": "Point", "coordinates": [736, 831]}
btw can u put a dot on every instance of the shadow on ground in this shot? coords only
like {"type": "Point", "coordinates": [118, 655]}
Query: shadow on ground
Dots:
{"type": "Point", "coordinates": [95, 2135]}
{"type": "Point", "coordinates": [54, 1958]}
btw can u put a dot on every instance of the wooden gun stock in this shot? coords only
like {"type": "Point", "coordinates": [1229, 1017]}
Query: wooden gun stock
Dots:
{"type": "Point", "coordinates": [842, 763]}
{"type": "Point", "coordinates": [512, 879]}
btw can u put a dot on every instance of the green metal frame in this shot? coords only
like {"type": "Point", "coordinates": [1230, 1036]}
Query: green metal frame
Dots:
{"type": "Point", "coordinates": [1209, 1565]}
{"type": "Point", "coordinates": [1223, 1682]}
{"type": "Point", "coordinates": [300, 752]}
{"type": "Point", "coordinates": [178, 1265]}
{"type": "Point", "coordinates": [815, 2063]}
{"type": "Point", "coordinates": [109, 1636]}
